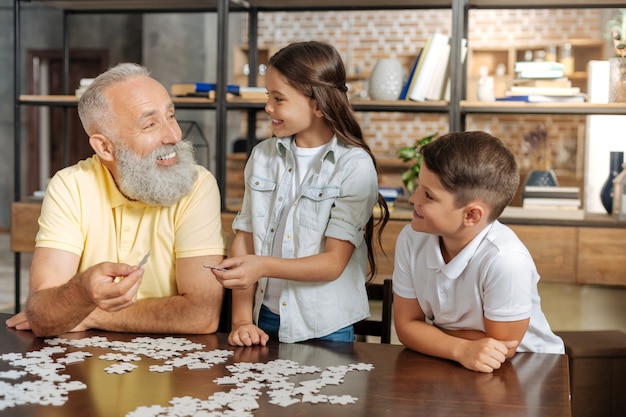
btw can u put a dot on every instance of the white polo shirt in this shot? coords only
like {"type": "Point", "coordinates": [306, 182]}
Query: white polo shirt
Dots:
{"type": "Point", "coordinates": [494, 276]}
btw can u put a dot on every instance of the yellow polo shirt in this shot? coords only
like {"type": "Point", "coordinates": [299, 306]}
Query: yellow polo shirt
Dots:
{"type": "Point", "coordinates": [83, 212]}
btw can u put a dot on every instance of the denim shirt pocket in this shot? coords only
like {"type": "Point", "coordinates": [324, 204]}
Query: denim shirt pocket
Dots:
{"type": "Point", "coordinates": [262, 194]}
{"type": "Point", "coordinates": [314, 206]}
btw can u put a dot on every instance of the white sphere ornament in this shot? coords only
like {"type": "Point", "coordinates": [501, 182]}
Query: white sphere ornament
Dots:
{"type": "Point", "coordinates": [386, 80]}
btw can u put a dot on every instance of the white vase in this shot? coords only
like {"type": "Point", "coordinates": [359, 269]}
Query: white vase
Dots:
{"type": "Point", "coordinates": [386, 80]}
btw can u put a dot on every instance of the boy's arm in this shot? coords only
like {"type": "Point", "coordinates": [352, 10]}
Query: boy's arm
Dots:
{"type": "Point", "coordinates": [482, 355]}
{"type": "Point", "coordinates": [507, 330]}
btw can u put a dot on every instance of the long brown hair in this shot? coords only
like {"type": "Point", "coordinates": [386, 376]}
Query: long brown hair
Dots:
{"type": "Point", "coordinates": [317, 70]}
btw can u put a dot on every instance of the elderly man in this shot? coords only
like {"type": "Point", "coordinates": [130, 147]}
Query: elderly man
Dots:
{"type": "Point", "coordinates": [141, 194]}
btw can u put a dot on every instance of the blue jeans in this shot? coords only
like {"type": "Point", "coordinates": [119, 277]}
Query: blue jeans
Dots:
{"type": "Point", "coordinates": [270, 323]}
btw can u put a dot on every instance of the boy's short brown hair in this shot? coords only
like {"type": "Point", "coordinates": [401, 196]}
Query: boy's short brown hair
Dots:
{"type": "Point", "coordinates": [474, 166]}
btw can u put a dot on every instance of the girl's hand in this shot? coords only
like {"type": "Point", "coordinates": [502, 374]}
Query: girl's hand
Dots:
{"type": "Point", "coordinates": [239, 273]}
{"type": "Point", "coordinates": [247, 334]}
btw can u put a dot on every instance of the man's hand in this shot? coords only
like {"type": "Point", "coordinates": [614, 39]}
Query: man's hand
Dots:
{"type": "Point", "coordinates": [19, 321]}
{"type": "Point", "coordinates": [111, 286]}
{"type": "Point", "coordinates": [247, 334]}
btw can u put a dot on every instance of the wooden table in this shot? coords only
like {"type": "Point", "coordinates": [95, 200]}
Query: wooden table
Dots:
{"type": "Point", "coordinates": [402, 383]}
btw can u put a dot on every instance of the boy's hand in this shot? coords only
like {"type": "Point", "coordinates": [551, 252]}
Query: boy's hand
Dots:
{"type": "Point", "coordinates": [484, 355]}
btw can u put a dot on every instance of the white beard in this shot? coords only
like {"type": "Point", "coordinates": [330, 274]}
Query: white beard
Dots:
{"type": "Point", "coordinates": [141, 179]}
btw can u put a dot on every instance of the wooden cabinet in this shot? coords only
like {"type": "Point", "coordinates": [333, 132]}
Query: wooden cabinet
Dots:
{"type": "Point", "coordinates": [577, 254]}
{"type": "Point", "coordinates": [553, 249]}
{"type": "Point", "coordinates": [574, 252]}
{"type": "Point", "coordinates": [601, 256]}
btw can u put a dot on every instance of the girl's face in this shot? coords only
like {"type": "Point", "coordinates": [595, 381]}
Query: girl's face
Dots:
{"type": "Point", "coordinates": [434, 209]}
{"type": "Point", "coordinates": [291, 111]}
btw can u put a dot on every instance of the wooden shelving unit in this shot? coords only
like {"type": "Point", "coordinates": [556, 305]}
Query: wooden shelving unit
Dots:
{"type": "Point", "coordinates": [457, 109]}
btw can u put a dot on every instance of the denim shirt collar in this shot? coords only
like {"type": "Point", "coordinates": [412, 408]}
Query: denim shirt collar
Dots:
{"type": "Point", "coordinates": [334, 149]}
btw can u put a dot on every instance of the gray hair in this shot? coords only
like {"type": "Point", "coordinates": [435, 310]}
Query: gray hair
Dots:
{"type": "Point", "coordinates": [93, 106]}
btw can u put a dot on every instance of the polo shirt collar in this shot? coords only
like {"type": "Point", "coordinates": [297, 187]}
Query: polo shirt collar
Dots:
{"type": "Point", "coordinates": [454, 268]}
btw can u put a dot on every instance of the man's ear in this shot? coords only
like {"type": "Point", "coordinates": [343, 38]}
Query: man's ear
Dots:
{"type": "Point", "coordinates": [102, 147]}
{"type": "Point", "coordinates": [474, 213]}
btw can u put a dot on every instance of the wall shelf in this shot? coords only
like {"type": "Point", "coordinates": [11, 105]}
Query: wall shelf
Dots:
{"type": "Point", "coordinates": [457, 109]}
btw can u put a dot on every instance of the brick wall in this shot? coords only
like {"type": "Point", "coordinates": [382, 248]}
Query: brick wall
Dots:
{"type": "Point", "coordinates": [364, 37]}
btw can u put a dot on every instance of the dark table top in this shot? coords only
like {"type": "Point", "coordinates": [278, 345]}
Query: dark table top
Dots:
{"type": "Point", "coordinates": [401, 383]}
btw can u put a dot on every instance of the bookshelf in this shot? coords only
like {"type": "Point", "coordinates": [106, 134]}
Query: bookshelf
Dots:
{"type": "Point", "coordinates": [461, 101]}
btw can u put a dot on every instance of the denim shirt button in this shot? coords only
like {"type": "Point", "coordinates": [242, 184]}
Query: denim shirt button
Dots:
{"type": "Point", "coordinates": [272, 230]}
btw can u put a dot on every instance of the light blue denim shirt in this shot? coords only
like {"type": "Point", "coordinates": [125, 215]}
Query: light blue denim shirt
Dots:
{"type": "Point", "coordinates": [335, 202]}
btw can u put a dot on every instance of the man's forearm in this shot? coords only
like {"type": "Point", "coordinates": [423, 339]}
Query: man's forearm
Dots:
{"type": "Point", "coordinates": [173, 314]}
{"type": "Point", "coordinates": [58, 310]}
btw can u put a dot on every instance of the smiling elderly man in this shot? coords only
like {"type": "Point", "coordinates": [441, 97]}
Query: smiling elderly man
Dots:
{"type": "Point", "coordinates": [141, 192]}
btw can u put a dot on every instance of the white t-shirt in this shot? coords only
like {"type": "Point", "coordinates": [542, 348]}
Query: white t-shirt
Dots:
{"type": "Point", "coordinates": [305, 163]}
{"type": "Point", "coordinates": [494, 276]}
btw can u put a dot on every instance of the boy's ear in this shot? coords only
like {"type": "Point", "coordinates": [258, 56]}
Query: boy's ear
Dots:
{"type": "Point", "coordinates": [102, 147]}
{"type": "Point", "coordinates": [474, 213]}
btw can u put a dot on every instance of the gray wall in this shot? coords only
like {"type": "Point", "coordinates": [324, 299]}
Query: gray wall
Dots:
{"type": "Point", "coordinates": [175, 47]}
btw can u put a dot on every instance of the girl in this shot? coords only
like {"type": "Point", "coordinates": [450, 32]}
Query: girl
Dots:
{"type": "Point", "coordinates": [303, 237]}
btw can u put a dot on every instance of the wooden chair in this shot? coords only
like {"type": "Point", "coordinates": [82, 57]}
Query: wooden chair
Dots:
{"type": "Point", "coordinates": [226, 312]}
{"type": "Point", "coordinates": [381, 328]}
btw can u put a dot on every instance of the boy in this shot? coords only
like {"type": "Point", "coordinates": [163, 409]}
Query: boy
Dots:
{"type": "Point", "coordinates": [461, 269]}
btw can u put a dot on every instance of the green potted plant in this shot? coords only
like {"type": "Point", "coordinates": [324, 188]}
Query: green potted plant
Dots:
{"type": "Point", "coordinates": [412, 155]}
{"type": "Point", "coordinates": [616, 31]}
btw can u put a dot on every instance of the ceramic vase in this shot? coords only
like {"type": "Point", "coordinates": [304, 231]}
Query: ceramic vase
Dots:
{"type": "Point", "coordinates": [606, 192]}
{"type": "Point", "coordinates": [543, 178]}
{"type": "Point", "coordinates": [617, 80]}
{"type": "Point", "coordinates": [386, 80]}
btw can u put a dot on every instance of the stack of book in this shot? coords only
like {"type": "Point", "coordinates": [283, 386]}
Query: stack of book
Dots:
{"type": "Point", "coordinates": [540, 82]}
{"type": "Point", "coordinates": [551, 197]}
{"type": "Point", "coordinates": [208, 90]}
{"type": "Point", "coordinates": [429, 78]}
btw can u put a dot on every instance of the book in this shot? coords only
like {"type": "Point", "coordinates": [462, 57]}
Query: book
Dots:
{"type": "Point", "coordinates": [544, 202]}
{"type": "Point", "coordinates": [425, 74]}
{"type": "Point", "coordinates": [542, 82]}
{"type": "Point", "coordinates": [405, 88]}
{"type": "Point", "coordinates": [541, 74]}
{"type": "Point", "coordinates": [208, 90]}
{"type": "Point", "coordinates": [539, 98]}
{"type": "Point", "coordinates": [521, 66]}
{"type": "Point", "coordinates": [446, 92]}
{"type": "Point", "coordinates": [435, 88]}
{"type": "Point", "coordinates": [244, 93]}
{"type": "Point", "coordinates": [185, 89]}
{"type": "Point", "coordinates": [538, 191]}
{"type": "Point", "coordinates": [546, 91]}
{"type": "Point", "coordinates": [422, 57]}
{"type": "Point", "coordinates": [515, 212]}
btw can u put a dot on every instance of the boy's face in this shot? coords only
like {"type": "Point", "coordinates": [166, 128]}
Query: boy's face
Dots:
{"type": "Point", "coordinates": [434, 209]}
